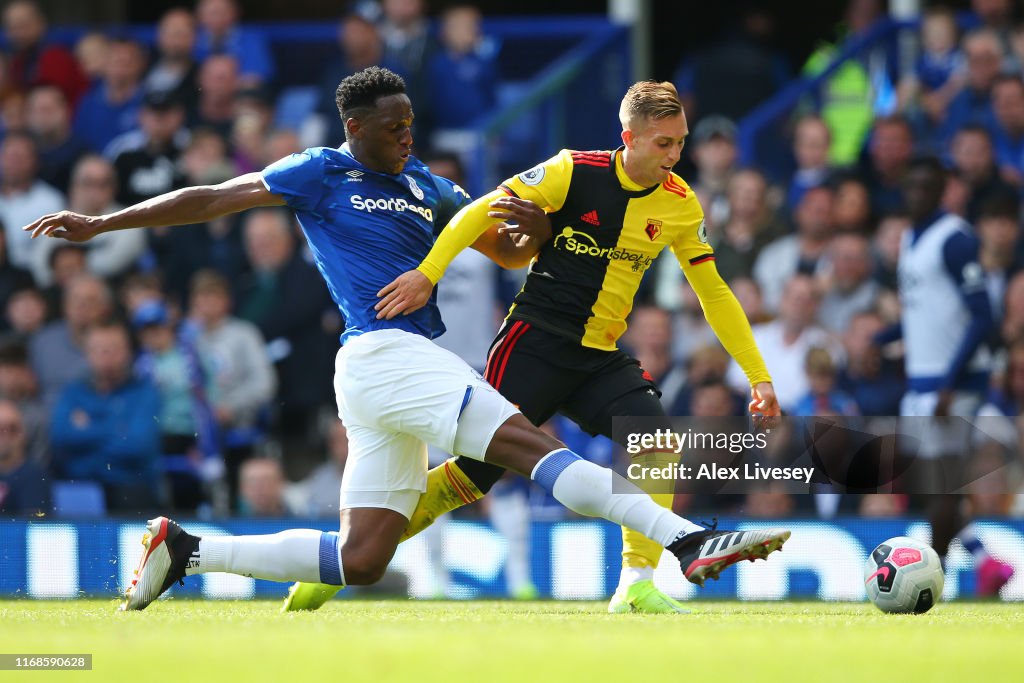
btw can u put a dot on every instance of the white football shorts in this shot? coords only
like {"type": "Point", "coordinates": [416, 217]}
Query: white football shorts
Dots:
{"type": "Point", "coordinates": [398, 392]}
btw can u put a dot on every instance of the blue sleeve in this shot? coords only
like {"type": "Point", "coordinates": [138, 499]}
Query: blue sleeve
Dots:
{"type": "Point", "coordinates": [298, 178]}
{"type": "Point", "coordinates": [960, 256]}
{"type": "Point", "coordinates": [452, 199]}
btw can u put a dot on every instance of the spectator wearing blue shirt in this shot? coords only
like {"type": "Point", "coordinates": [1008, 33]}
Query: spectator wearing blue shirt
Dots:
{"type": "Point", "coordinates": [219, 33]}
{"type": "Point", "coordinates": [1008, 131]}
{"type": "Point", "coordinates": [938, 74]}
{"type": "Point", "coordinates": [874, 382]}
{"type": "Point", "coordinates": [940, 59]}
{"type": "Point", "coordinates": [824, 398]}
{"type": "Point", "coordinates": [111, 107]}
{"type": "Point", "coordinates": [24, 489]}
{"type": "Point", "coordinates": [463, 73]}
{"type": "Point", "coordinates": [973, 104]}
{"type": "Point", "coordinates": [106, 428]}
{"type": "Point", "coordinates": [811, 142]}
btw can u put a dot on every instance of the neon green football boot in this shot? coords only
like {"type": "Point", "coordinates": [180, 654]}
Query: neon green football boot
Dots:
{"type": "Point", "coordinates": [308, 596]}
{"type": "Point", "coordinates": [645, 598]}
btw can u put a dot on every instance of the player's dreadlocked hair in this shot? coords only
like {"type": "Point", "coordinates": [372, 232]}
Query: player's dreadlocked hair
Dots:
{"type": "Point", "coordinates": [362, 89]}
{"type": "Point", "coordinates": [649, 100]}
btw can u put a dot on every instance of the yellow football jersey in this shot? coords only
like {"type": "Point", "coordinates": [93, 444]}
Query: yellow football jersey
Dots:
{"type": "Point", "coordinates": [606, 233]}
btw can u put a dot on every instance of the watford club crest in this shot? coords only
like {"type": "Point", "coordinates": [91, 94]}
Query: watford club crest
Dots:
{"type": "Point", "coordinates": [653, 228]}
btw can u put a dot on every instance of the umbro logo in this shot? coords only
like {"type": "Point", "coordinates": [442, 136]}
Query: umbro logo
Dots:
{"type": "Point", "coordinates": [590, 217]}
{"type": "Point", "coordinates": [353, 173]}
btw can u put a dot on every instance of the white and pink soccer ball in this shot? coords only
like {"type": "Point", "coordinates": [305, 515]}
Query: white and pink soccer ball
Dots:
{"type": "Point", "coordinates": [903, 576]}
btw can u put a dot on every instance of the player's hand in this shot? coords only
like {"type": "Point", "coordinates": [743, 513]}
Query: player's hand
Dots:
{"type": "Point", "coordinates": [526, 218]}
{"type": "Point", "coordinates": [407, 293]}
{"type": "Point", "coordinates": [68, 225]}
{"type": "Point", "coordinates": [944, 403]}
{"type": "Point", "coordinates": [764, 405]}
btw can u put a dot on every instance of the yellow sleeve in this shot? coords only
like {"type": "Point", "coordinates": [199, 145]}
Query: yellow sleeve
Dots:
{"type": "Point", "coordinates": [546, 184]}
{"type": "Point", "coordinates": [721, 309]}
{"type": "Point", "coordinates": [462, 230]}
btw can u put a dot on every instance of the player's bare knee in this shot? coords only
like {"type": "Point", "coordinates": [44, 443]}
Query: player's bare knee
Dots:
{"type": "Point", "coordinates": [364, 565]}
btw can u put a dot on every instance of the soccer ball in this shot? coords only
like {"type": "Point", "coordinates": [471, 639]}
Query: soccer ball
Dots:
{"type": "Point", "coordinates": [903, 576]}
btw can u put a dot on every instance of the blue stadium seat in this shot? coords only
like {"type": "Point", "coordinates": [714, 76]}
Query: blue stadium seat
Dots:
{"type": "Point", "coordinates": [294, 105]}
{"type": "Point", "coordinates": [78, 499]}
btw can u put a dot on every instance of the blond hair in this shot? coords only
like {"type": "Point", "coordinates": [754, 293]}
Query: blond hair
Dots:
{"type": "Point", "coordinates": [819, 362]}
{"type": "Point", "coordinates": [649, 100]}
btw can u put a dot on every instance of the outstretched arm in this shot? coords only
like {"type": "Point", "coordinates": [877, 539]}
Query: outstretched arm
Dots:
{"type": "Point", "coordinates": [463, 230]}
{"type": "Point", "coordinates": [476, 225]}
{"type": "Point", "coordinates": [514, 243]}
{"type": "Point", "coordinates": [180, 207]}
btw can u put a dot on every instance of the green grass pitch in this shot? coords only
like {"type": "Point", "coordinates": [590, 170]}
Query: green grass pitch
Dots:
{"type": "Point", "coordinates": [181, 640]}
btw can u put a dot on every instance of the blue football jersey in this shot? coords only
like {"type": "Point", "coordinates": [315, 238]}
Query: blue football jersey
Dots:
{"type": "Point", "coordinates": [366, 228]}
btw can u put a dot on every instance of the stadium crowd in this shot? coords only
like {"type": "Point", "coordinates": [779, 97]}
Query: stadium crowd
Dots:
{"type": "Point", "coordinates": [191, 368]}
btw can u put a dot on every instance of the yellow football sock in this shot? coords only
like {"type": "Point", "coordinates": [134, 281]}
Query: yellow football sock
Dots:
{"type": "Point", "coordinates": [448, 488]}
{"type": "Point", "coordinates": [638, 551]}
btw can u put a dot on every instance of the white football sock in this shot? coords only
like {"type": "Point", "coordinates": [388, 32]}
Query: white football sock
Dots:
{"type": "Point", "coordinates": [630, 575]}
{"type": "Point", "coordinates": [294, 555]}
{"type": "Point", "coordinates": [434, 536]}
{"type": "Point", "coordinates": [588, 489]}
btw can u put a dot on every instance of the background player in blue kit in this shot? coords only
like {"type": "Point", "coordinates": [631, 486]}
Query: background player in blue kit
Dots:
{"type": "Point", "coordinates": [945, 319]}
{"type": "Point", "coordinates": [369, 211]}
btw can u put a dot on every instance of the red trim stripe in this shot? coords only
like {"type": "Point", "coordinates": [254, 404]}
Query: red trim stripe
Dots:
{"type": "Point", "coordinates": [154, 543]}
{"type": "Point", "coordinates": [586, 162]}
{"type": "Point", "coordinates": [456, 484]}
{"type": "Point", "coordinates": [508, 352]}
{"type": "Point", "coordinates": [498, 350]}
{"type": "Point", "coordinates": [674, 187]}
{"type": "Point", "coordinates": [702, 259]}
{"type": "Point", "coordinates": [592, 158]}
{"type": "Point", "coordinates": [507, 190]}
